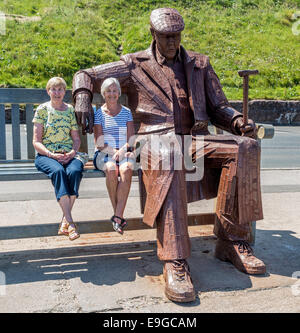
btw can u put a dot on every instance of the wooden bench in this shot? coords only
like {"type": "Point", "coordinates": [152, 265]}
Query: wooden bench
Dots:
{"type": "Point", "coordinates": [23, 101]}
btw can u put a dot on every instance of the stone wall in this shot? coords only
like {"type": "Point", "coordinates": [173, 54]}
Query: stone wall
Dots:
{"type": "Point", "coordinates": [272, 112]}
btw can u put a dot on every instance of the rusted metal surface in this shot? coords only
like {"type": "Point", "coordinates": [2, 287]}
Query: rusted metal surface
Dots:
{"type": "Point", "coordinates": [245, 75]}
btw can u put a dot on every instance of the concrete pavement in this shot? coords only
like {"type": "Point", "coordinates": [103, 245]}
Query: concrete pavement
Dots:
{"type": "Point", "coordinates": [105, 272]}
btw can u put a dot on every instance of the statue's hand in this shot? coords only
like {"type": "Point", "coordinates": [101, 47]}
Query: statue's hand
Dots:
{"type": "Point", "coordinates": [84, 112]}
{"type": "Point", "coordinates": [248, 130]}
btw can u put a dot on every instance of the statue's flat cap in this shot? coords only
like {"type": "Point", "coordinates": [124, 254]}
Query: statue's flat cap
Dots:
{"type": "Point", "coordinates": [166, 20]}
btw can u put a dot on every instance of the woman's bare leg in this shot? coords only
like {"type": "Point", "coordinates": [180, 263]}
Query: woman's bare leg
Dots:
{"type": "Point", "coordinates": [65, 204]}
{"type": "Point", "coordinates": [123, 188]}
{"type": "Point", "coordinates": [111, 172]}
{"type": "Point", "coordinates": [72, 201]}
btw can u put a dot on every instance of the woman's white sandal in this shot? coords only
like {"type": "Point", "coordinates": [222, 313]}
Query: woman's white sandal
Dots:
{"type": "Point", "coordinates": [73, 233]}
{"type": "Point", "coordinates": [63, 228]}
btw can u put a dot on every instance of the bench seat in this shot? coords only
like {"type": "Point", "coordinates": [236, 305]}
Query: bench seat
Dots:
{"type": "Point", "coordinates": [27, 171]}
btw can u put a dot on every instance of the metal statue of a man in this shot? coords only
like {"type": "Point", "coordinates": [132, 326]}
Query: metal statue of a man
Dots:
{"type": "Point", "coordinates": [178, 93]}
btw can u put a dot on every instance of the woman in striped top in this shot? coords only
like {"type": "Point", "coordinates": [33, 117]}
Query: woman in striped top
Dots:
{"type": "Point", "coordinates": [113, 127]}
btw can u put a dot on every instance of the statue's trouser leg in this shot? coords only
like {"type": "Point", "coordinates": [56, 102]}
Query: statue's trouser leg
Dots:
{"type": "Point", "coordinates": [239, 197]}
{"type": "Point", "coordinates": [239, 163]}
{"type": "Point", "coordinates": [172, 224]}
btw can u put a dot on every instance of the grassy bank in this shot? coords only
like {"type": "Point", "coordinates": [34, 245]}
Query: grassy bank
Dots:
{"type": "Point", "coordinates": [60, 37]}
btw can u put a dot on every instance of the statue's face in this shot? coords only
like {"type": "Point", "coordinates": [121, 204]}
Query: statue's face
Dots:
{"type": "Point", "coordinates": [168, 44]}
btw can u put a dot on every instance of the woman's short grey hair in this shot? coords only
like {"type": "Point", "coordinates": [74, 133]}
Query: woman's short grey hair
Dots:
{"type": "Point", "coordinates": [56, 81]}
{"type": "Point", "coordinates": [108, 82]}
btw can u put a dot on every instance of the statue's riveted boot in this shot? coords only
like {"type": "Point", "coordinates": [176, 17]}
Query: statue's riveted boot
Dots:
{"type": "Point", "coordinates": [179, 286]}
{"type": "Point", "coordinates": [240, 254]}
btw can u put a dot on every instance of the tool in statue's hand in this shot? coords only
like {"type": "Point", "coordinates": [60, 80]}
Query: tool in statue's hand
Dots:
{"type": "Point", "coordinates": [245, 75]}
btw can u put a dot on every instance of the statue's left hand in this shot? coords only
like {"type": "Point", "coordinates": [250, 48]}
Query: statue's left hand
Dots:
{"type": "Point", "coordinates": [84, 113]}
{"type": "Point", "coordinates": [248, 130]}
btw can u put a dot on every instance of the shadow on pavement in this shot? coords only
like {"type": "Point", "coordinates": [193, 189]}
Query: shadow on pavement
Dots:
{"type": "Point", "coordinates": [110, 264]}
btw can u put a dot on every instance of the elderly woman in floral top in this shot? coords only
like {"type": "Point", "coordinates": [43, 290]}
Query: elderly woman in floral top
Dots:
{"type": "Point", "coordinates": [56, 140]}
